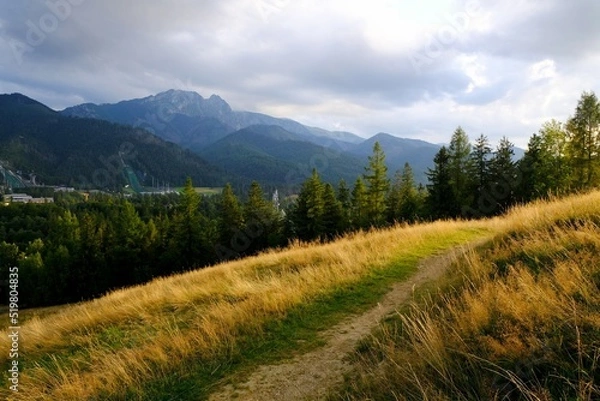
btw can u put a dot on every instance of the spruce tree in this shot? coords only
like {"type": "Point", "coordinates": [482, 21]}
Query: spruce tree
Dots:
{"type": "Point", "coordinates": [344, 196]}
{"type": "Point", "coordinates": [189, 240]}
{"type": "Point", "coordinates": [263, 221]}
{"type": "Point", "coordinates": [307, 215]}
{"type": "Point", "coordinates": [394, 200]}
{"type": "Point", "coordinates": [359, 216]}
{"type": "Point", "coordinates": [441, 200]}
{"type": "Point", "coordinates": [459, 152]}
{"type": "Point", "coordinates": [410, 207]}
{"type": "Point", "coordinates": [503, 175]}
{"type": "Point", "coordinates": [333, 214]}
{"type": "Point", "coordinates": [231, 219]}
{"type": "Point", "coordinates": [480, 159]}
{"type": "Point", "coordinates": [377, 186]}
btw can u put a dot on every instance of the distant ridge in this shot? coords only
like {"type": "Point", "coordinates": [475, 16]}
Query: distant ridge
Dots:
{"type": "Point", "coordinates": [84, 152]}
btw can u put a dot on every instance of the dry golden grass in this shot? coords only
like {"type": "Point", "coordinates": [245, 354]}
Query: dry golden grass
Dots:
{"type": "Point", "coordinates": [103, 348]}
{"type": "Point", "coordinates": [521, 319]}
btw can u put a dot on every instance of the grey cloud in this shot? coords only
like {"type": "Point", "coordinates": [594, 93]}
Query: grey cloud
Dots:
{"type": "Point", "coordinates": [109, 50]}
{"type": "Point", "coordinates": [564, 30]}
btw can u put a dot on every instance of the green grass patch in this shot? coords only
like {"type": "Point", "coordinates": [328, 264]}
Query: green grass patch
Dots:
{"type": "Point", "coordinates": [298, 332]}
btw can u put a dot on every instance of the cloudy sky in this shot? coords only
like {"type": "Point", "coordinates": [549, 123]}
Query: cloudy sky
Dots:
{"type": "Point", "coordinates": [410, 68]}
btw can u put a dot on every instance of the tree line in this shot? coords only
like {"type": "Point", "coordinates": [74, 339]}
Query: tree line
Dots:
{"type": "Point", "coordinates": [74, 249]}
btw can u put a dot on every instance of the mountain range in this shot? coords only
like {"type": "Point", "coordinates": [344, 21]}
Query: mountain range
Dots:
{"type": "Point", "coordinates": [276, 151]}
{"type": "Point", "coordinates": [166, 137]}
{"type": "Point", "coordinates": [84, 152]}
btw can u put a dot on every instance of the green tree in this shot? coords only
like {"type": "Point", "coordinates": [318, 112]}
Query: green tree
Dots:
{"type": "Point", "coordinates": [503, 175]}
{"type": "Point", "coordinates": [544, 168]}
{"type": "Point", "coordinates": [480, 171]}
{"type": "Point", "coordinates": [441, 199]}
{"type": "Point", "coordinates": [231, 218]}
{"type": "Point", "coordinates": [584, 141]}
{"type": "Point", "coordinates": [307, 215]}
{"type": "Point", "coordinates": [333, 214]}
{"type": "Point", "coordinates": [459, 152]}
{"type": "Point", "coordinates": [377, 186]}
{"type": "Point", "coordinates": [189, 241]}
{"type": "Point", "coordinates": [344, 196]}
{"type": "Point", "coordinates": [394, 201]}
{"type": "Point", "coordinates": [359, 216]}
{"type": "Point", "coordinates": [404, 201]}
{"type": "Point", "coordinates": [263, 220]}
{"type": "Point", "coordinates": [410, 201]}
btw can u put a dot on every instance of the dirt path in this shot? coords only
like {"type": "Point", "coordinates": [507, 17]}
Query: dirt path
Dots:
{"type": "Point", "coordinates": [311, 376]}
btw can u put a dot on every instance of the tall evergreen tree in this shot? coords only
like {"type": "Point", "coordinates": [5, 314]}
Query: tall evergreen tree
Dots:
{"type": "Point", "coordinates": [410, 208]}
{"type": "Point", "coordinates": [307, 215]}
{"type": "Point", "coordinates": [189, 241]}
{"type": "Point", "coordinates": [333, 214]}
{"type": "Point", "coordinates": [584, 141]}
{"type": "Point", "coordinates": [377, 186]}
{"type": "Point", "coordinates": [441, 200]}
{"type": "Point", "coordinates": [459, 153]}
{"type": "Point", "coordinates": [359, 216]}
{"type": "Point", "coordinates": [231, 219]}
{"type": "Point", "coordinates": [263, 221]}
{"type": "Point", "coordinates": [503, 175]}
{"type": "Point", "coordinates": [404, 202]}
{"type": "Point", "coordinates": [344, 196]}
{"type": "Point", "coordinates": [394, 202]}
{"type": "Point", "coordinates": [480, 174]}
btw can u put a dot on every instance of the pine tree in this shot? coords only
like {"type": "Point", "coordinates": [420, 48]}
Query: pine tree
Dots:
{"type": "Point", "coordinates": [189, 239]}
{"type": "Point", "coordinates": [530, 168]}
{"type": "Point", "coordinates": [263, 221]}
{"type": "Point", "coordinates": [503, 174]}
{"type": "Point", "coordinates": [441, 200]}
{"type": "Point", "coordinates": [231, 219]}
{"type": "Point", "coordinates": [344, 196]}
{"type": "Point", "coordinates": [584, 141]}
{"type": "Point", "coordinates": [307, 215]}
{"type": "Point", "coordinates": [404, 202]}
{"type": "Point", "coordinates": [393, 199]}
{"type": "Point", "coordinates": [333, 215]}
{"type": "Point", "coordinates": [459, 152]}
{"type": "Point", "coordinates": [410, 206]}
{"type": "Point", "coordinates": [480, 174]}
{"type": "Point", "coordinates": [377, 186]}
{"type": "Point", "coordinates": [359, 217]}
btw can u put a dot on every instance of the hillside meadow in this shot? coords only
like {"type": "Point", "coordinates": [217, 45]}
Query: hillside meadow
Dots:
{"type": "Point", "coordinates": [518, 319]}
{"type": "Point", "coordinates": [181, 335]}
{"type": "Point", "coordinates": [510, 312]}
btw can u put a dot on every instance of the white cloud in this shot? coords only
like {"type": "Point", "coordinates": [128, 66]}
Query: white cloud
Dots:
{"type": "Point", "coordinates": [543, 70]}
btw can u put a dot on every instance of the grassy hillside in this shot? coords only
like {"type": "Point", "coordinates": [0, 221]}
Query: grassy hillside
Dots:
{"type": "Point", "coordinates": [180, 335]}
{"type": "Point", "coordinates": [518, 320]}
{"type": "Point", "coordinates": [518, 316]}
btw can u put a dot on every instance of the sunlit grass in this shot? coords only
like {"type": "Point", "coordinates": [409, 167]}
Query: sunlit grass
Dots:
{"type": "Point", "coordinates": [113, 347]}
{"type": "Point", "coordinates": [516, 319]}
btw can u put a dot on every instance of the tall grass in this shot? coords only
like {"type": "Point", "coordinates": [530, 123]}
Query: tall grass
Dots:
{"type": "Point", "coordinates": [518, 319]}
{"type": "Point", "coordinates": [110, 348]}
